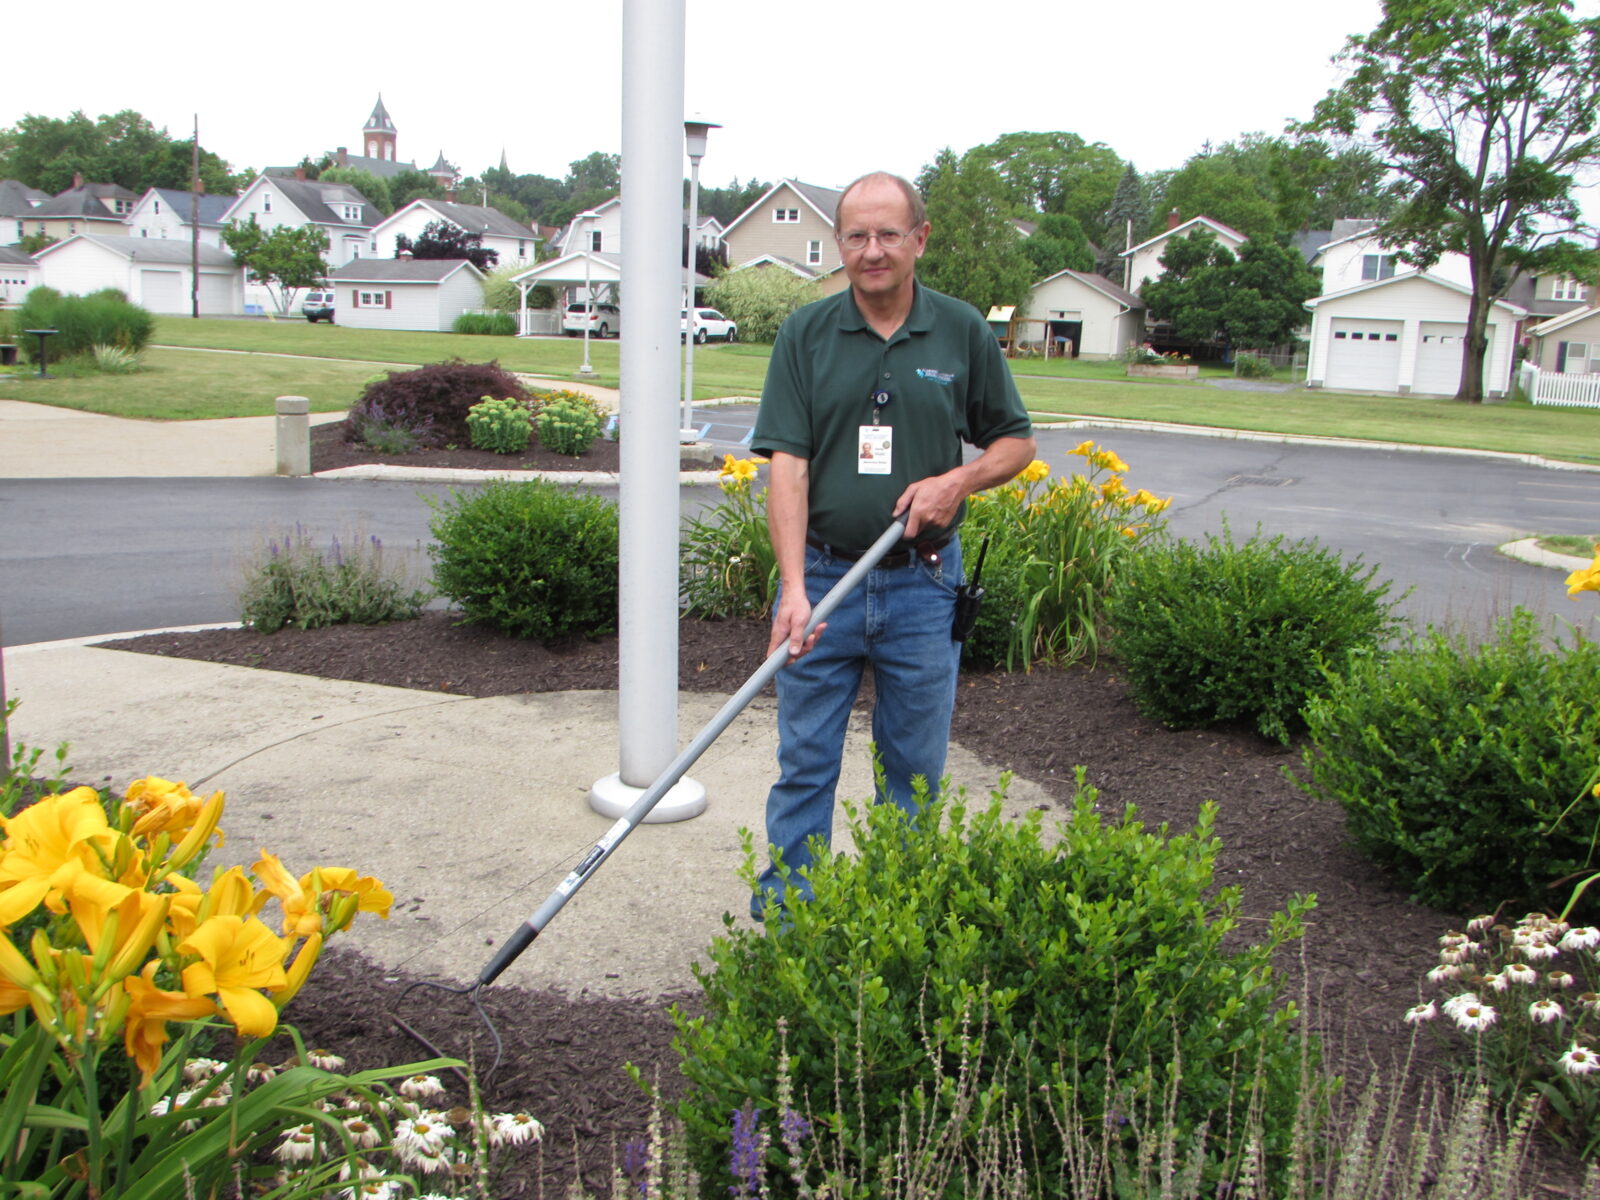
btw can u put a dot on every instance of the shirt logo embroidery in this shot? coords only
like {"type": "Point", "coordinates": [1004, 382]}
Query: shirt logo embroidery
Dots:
{"type": "Point", "coordinates": [944, 377]}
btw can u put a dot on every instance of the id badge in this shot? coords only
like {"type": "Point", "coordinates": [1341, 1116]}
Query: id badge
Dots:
{"type": "Point", "coordinates": [876, 453]}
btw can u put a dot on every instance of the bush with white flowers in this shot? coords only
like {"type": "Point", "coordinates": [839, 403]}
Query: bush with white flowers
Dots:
{"type": "Point", "coordinates": [1523, 1001]}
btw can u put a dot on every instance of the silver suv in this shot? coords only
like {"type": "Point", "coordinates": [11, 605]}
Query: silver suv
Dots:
{"type": "Point", "coordinates": [318, 306]}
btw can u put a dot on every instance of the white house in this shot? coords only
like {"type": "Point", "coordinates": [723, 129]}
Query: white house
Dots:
{"type": "Point", "coordinates": [1087, 315]}
{"type": "Point", "coordinates": [18, 274]}
{"type": "Point", "coordinates": [1404, 335]}
{"type": "Point", "coordinates": [338, 208]}
{"type": "Point", "coordinates": [514, 242]}
{"type": "Point", "coordinates": [405, 293]}
{"type": "Point", "coordinates": [164, 213]}
{"type": "Point", "coordinates": [599, 234]}
{"type": "Point", "coordinates": [1360, 257]}
{"type": "Point", "coordinates": [1144, 260]}
{"type": "Point", "coordinates": [153, 273]}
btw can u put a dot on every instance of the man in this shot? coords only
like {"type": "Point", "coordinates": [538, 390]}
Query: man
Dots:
{"type": "Point", "coordinates": [869, 395]}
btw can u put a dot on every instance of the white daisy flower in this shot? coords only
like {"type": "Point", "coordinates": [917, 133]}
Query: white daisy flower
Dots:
{"type": "Point", "coordinates": [362, 1132]}
{"type": "Point", "coordinates": [1521, 973]}
{"type": "Point", "coordinates": [1458, 954]}
{"type": "Point", "coordinates": [1479, 924]}
{"type": "Point", "coordinates": [1456, 1003]}
{"type": "Point", "coordinates": [1418, 1013]}
{"type": "Point", "coordinates": [422, 1087]}
{"type": "Point", "coordinates": [514, 1129]}
{"type": "Point", "coordinates": [1560, 979]}
{"type": "Point", "coordinates": [1496, 981]}
{"type": "Point", "coordinates": [299, 1144]}
{"type": "Point", "coordinates": [1585, 937]}
{"type": "Point", "coordinates": [423, 1134]}
{"type": "Point", "coordinates": [1545, 1011]}
{"type": "Point", "coordinates": [1475, 1018]}
{"type": "Point", "coordinates": [325, 1060]}
{"type": "Point", "coordinates": [1541, 952]}
{"type": "Point", "coordinates": [1444, 972]}
{"type": "Point", "coordinates": [260, 1072]}
{"type": "Point", "coordinates": [197, 1070]}
{"type": "Point", "coordinates": [1578, 1061]}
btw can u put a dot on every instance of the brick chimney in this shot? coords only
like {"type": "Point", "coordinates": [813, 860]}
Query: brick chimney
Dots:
{"type": "Point", "coordinates": [1173, 219]}
{"type": "Point", "coordinates": [300, 174]}
{"type": "Point", "coordinates": [342, 156]}
{"type": "Point", "coordinates": [450, 196]}
{"type": "Point", "coordinates": [77, 179]}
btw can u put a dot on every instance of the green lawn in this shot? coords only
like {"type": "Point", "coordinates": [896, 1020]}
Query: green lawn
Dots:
{"type": "Point", "coordinates": [186, 385]}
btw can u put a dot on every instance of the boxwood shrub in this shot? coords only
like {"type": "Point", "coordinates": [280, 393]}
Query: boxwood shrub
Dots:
{"type": "Point", "coordinates": [1093, 969]}
{"type": "Point", "coordinates": [1454, 764]}
{"type": "Point", "coordinates": [535, 560]}
{"type": "Point", "coordinates": [1218, 632]}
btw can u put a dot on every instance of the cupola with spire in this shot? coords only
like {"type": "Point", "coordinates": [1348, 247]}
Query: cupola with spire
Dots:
{"type": "Point", "coordinates": [379, 135]}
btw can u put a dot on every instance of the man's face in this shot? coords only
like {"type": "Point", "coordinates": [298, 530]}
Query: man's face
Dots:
{"type": "Point", "coordinates": [879, 207]}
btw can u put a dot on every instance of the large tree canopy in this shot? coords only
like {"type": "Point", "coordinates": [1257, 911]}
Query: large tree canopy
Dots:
{"type": "Point", "coordinates": [1252, 300]}
{"type": "Point", "coordinates": [1056, 173]}
{"type": "Point", "coordinates": [122, 148]}
{"type": "Point", "coordinates": [974, 251]}
{"type": "Point", "coordinates": [1485, 110]}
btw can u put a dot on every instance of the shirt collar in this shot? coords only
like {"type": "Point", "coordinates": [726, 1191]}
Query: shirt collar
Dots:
{"type": "Point", "coordinates": [918, 320]}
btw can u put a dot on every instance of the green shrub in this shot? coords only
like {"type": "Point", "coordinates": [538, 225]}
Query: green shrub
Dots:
{"type": "Point", "coordinates": [495, 324]}
{"type": "Point", "coordinates": [370, 425]}
{"type": "Point", "coordinates": [292, 582]}
{"type": "Point", "coordinates": [1054, 548]}
{"type": "Point", "coordinates": [115, 360]}
{"type": "Point", "coordinates": [1252, 366]}
{"type": "Point", "coordinates": [532, 559]}
{"type": "Point", "coordinates": [759, 299]}
{"type": "Point", "coordinates": [105, 318]}
{"type": "Point", "coordinates": [569, 426]}
{"type": "Point", "coordinates": [729, 568]}
{"type": "Point", "coordinates": [434, 400]}
{"type": "Point", "coordinates": [504, 426]}
{"type": "Point", "coordinates": [1219, 632]}
{"type": "Point", "coordinates": [1090, 972]}
{"type": "Point", "coordinates": [1453, 764]}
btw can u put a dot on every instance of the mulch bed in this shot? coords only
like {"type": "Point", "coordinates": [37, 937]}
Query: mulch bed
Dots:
{"type": "Point", "coordinates": [330, 450]}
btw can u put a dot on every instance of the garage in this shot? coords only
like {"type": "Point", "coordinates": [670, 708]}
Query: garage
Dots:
{"type": "Point", "coordinates": [217, 293]}
{"type": "Point", "coordinates": [161, 291]}
{"type": "Point", "coordinates": [1363, 356]}
{"type": "Point", "coordinates": [1439, 350]}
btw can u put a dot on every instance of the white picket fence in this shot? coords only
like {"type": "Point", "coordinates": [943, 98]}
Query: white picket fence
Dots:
{"type": "Point", "coordinates": [1560, 391]}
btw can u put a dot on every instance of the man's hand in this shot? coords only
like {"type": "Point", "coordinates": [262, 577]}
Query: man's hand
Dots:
{"type": "Point", "coordinates": [789, 625]}
{"type": "Point", "coordinates": [931, 503]}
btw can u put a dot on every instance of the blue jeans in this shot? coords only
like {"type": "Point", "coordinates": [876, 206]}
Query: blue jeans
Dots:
{"type": "Point", "coordinates": [898, 621]}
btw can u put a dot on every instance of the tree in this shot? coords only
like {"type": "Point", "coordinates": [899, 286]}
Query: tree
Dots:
{"type": "Point", "coordinates": [441, 239]}
{"type": "Point", "coordinates": [974, 251]}
{"type": "Point", "coordinates": [285, 258]}
{"type": "Point", "coordinates": [408, 185]}
{"type": "Point", "coordinates": [122, 148]}
{"type": "Point", "coordinates": [1056, 173]}
{"type": "Point", "coordinates": [1486, 111]}
{"type": "Point", "coordinates": [1251, 300]}
{"type": "Point", "coordinates": [1058, 244]}
{"type": "Point", "coordinates": [1225, 189]}
{"type": "Point", "coordinates": [369, 185]}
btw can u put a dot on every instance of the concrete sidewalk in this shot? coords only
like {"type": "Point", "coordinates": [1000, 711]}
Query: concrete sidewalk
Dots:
{"type": "Point", "coordinates": [470, 810]}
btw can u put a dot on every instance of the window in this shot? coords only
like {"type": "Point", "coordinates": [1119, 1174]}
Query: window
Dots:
{"type": "Point", "coordinates": [373, 299]}
{"type": "Point", "coordinates": [1568, 289]}
{"type": "Point", "coordinates": [158, 208]}
{"type": "Point", "coordinates": [144, 233]}
{"type": "Point", "coordinates": [352, 212]}
{"type": "Point", "coordinates": [121, 207]}
{"type": "Point", "coordinates": [372, 246]}
{"type": "Point", "coordinates": [266, 202]}
{"type": "Point", "coordinates": [813, 253]}
{"type": "Point", "coordinates": [72, 228]}
{"type": "Point", "coordinates": [522, 248]}
{"type": "Point", "coordinates": [785, 216]}
{"type": "Point", "coordinates": [1572, 358]}
{"type": "Point", "coordinates": [596, 237]}
{"type": "Point", "coordinates": [1377, 266]}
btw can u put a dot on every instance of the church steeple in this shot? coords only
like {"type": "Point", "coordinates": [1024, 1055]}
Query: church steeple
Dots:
{"type": "Point", "coordinates": [378, 135]}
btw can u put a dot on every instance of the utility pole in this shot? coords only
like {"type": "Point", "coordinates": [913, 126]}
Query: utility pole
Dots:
{"type": "Point", "coordinates": [194, 221]}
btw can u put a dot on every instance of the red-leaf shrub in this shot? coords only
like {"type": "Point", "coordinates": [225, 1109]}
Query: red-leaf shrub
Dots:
{"type": "Point", "coordinates": [434, 400]}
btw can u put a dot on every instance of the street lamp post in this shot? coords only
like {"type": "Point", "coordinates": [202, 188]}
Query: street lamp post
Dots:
{"type": "Point", "coordinates": [694, 132]}
{"type": "Point", "coordinates": [588, 288]}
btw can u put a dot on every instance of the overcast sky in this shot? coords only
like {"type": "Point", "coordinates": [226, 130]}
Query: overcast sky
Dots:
{"type": "Point", "coordinates": [821, 90]}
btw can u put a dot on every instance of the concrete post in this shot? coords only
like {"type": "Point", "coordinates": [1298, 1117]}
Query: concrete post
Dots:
{"type": "Point", "coordinates": [652, 219]}
{"type": "Point", "coordinates": [294, 435]}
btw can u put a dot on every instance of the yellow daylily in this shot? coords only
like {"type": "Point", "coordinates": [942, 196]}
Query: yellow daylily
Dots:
{"type": "Point", "coordinates": [301, 918]}
{"type": "Point", "coordinates": [200, 833]}
{"type": "Point", "coordinates": [162, 806]}
{"type": "Point", "coordinates": [1113, 487]}
{"type": "Point", "coordinates": [238, 957]}
{"type": "Point", "coordinates": [119, 924]}
{"type": "Point", "coordinates": [1108, 460]}
{"type": "Point", "coordinates": [349, 893]}
{"type": "Point", "coordinates": [1082, 449]}
{"type": "Point", "coordinates": [149, 1010]}
{"type": "Point", "coordinates": [49, 844]}
{"type": "Point", "coordinates": [1585, 579]}
{"type": "Point", "coordinates": [1035, 471]}
{"type": "Point", "coordinates": [310, 951]}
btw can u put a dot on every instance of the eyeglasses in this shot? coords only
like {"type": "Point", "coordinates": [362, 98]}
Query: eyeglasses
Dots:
{"type": "Point", "coordinates": [889, 239]}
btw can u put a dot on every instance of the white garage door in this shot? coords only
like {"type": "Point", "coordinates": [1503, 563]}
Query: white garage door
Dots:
{"type": "Point", "coordinates": [1439, 357]}
{"type": "Point", "coordinates": [161, 291]}
{"type": "Point", "coordinates": [216, 294]}
{"type": "Point", "coordinates": [1363, 356]}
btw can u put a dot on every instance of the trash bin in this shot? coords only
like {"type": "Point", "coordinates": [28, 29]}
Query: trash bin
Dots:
{"type": "Point", "coordinates": [8, 355]}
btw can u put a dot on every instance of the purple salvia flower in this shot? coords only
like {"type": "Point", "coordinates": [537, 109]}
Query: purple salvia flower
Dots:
{"type": "Point", "coordinates": [794, 1129]}
{"type": "Point", "coordinates": [746, 1154]}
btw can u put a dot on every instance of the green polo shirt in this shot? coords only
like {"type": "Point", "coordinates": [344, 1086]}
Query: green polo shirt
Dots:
{"type": "Point", "coordinates": [947, 382]}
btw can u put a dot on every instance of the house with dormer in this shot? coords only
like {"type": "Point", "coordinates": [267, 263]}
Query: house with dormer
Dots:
{"type": "Point", "coordinates": [790, 226]}
{"type": "Point", "coordinates": [166, 214]}
{"type": "Point", "coordinates": [17, 202]}
{"type": "Point", "coordinates": [97, 208]}
{"type": "Point", "coordinates": [343, 212]}
{"type": "Point", "coordinates": [514, 242]}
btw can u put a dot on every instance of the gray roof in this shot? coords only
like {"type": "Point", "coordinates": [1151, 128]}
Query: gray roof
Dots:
{"type": "Point", "coordinates": [1523, 292]}
{"type": "Point", "coordinates": [17, 199]}
{"type": "Point", "coordinates": [153, 250]}
{"type": "Point", "coordinates": [313, 198]}
{"type": "Point", "coordinates": [14, 257]}
{"type": "Point", "coordinates": [1308, 242]}
{"type": "Point", "coordinates": [826, 199]}
{"type": "Point", "coordinates": [380, 119]}
{"type": "Point", "coordinates": [441, 167]}
{"type": "Point", "coordinates": [475, 218]}
{"type": "Point", "coordinates": [1106, 287]}
{"type": "Point", "coordinates": [85, 201]}
{"type": "Point", "coordinates": [211, 207]}
{"type": "Point", "coordinates": [1344, 227]}
{"type": "Point", "coordinates": [399, 270]}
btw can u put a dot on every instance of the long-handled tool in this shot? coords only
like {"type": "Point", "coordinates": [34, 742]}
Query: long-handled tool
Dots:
{"type": "Point", "coordinates": [630, 820]}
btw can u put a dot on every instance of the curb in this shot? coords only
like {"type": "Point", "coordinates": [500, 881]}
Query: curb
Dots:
{"type": "Point", "coordinates": [1528, 550]}
{"type": "Point", "coordinates": [467, 475]}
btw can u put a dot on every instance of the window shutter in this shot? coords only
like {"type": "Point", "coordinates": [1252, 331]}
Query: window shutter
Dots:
{"type": "Point", "coordinates": [355, 297]}
{"type": "Point", "coordinates": [388, 299]}
{"type": "Point", "coordinates": [1561, 357]}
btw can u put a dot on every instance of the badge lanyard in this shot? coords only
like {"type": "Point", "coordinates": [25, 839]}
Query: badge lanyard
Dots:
{"type": "Point", "coordinates": [876, 453]}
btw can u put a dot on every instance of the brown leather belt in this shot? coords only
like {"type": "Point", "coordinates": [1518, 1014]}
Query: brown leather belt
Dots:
{"type": "Point", "coordinates": [928, 551]}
